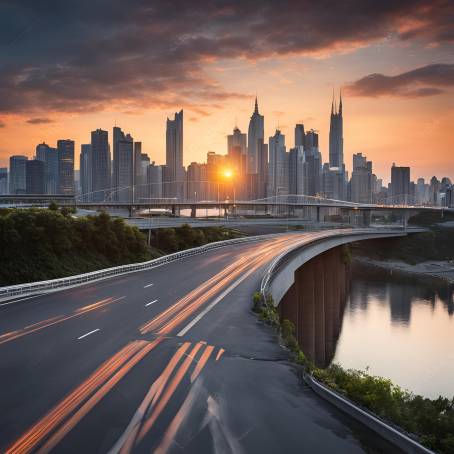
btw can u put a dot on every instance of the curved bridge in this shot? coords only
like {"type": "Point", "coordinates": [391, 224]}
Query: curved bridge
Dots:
{"type": "Point", "coordinates": [166, 359]}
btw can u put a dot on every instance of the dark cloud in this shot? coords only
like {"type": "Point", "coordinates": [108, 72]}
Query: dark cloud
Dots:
{"type": "Point", "coordinates": [85, 56]}
{"type": "Point", "coordinates": [425, 81]}
{"type": "Point", "coordinates": [39, 121]}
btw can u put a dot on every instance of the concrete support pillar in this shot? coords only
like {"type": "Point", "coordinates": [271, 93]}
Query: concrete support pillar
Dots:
{"type": "Point", "coordinates": [318, 214]}
{"type": "Point", "coordinates": [193, 211]}
{"type": "Point", "coordinates": [366, 218]}
{"type": "Point", "coordinates": [319, 296]}
{"type": "Point", "coordinates": [306, 313]}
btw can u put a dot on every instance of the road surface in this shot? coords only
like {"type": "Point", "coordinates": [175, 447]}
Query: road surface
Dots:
{"type": "Point", "coordinates": [165, 360]}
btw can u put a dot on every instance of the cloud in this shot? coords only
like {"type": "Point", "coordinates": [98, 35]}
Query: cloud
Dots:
{"type": "Point", "coordinates": [427, 80]}
{"type": "Point", "coordinates": [92, 56]}
{"type": "Point", "coordinates": [39, 121]}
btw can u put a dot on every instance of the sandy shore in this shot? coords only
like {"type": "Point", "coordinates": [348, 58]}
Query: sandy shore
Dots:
{"type": "Point", "coordinates": [434, 268]}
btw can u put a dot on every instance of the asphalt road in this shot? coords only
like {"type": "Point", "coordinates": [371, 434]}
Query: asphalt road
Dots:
{"type": "Point", "coordinates": [166, 360]}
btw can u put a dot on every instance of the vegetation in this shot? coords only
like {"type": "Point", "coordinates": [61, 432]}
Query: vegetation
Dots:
{"type": "Point", "coordinates": [171, 240]}
{"type": "Point", "coordinates": [430, 420]}
{"type": "Point", "coordinates": [39, 244]}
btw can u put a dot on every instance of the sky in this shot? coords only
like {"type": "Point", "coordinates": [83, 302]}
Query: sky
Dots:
{"type": "Point", "coordinates": [70, 67]}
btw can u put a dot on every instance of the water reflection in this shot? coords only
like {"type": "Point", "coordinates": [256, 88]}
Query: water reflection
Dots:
{"type": "Point", "coordinates": [400, 327]}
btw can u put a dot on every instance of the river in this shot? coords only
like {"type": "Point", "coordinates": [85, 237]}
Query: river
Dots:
{"type": "Point", "coordinates": [399, 327]}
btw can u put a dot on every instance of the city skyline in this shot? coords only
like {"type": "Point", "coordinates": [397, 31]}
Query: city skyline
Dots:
{"type": "Point", "coordinates": [397, 76]}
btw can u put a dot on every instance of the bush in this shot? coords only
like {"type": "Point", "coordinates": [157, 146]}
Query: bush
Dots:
{"type": "Point", "coordinates": [39, 244]}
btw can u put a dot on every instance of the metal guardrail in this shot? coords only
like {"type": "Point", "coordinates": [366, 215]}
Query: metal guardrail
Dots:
{"type": "Point", "coordinates": [65, 282]}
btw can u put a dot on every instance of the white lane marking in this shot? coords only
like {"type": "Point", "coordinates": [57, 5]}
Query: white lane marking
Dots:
{"type": "Point", "coordinates": [87, 334]}
{"type": "Point", "coordinates": [150, 303]}
{"type": "Point", "coordinates": [216, 301]}
{"type": "Point", "coordinates": [149, 285]}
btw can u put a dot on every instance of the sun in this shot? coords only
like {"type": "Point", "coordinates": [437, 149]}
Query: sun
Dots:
{"type": "Point", "coordinates": [227, 173]}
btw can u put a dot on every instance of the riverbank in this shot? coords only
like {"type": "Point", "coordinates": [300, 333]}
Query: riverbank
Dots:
{"type": "Point", "coordinates": [440, 269]}
{"type": "Point", "coordinates": [427, 421]}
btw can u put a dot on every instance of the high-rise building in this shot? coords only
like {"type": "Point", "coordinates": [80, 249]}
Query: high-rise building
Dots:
{"type": "Point", "coordinates": [99, 163]}
{"type": "Point", "coordinates": [278, 168]}
{"type": "Point", "coordinates": [256, 136]}
{"type": "Point", "coordinates": [333, 182]}
{"type": "Point", "coordinates": [3, 181]}
{"type": "Point", "coordinates": [197, 182]}
{"type": "Point", "coordinates": [300, 136]}
{"type": "Point", "coordinates": [237, 157]}
{"type": "Point", "coordinates": [361, 180]}
{"type": "Point", "coordinates": [17, 174]}
{"type": "Point", "coordinates": [336, 136]}
{"type": "Point", "coordinates": [400, 185]}
{"type": "Point", "coordinates": [154, 181]}
{"type": "Point", "coordinates": [262, 170]}
{"type": "Point", "coordinates": [65, 156]}
{"type": "Point", "coordinates": [174, 155]}
{"type": "Point", "coordinates": [123, 166]}
{"type": "Point", "coordinates": [85, 173]}
{"type": "Point", "coordinates": [314, 163]}
{"type": "Point", "coordinates": [216, 185]}
{"type": "Point", "coordinates": [35, 171]}
{"type": "Point", "coordinates": [297, 171]}
{"type": "Point", "coordinates": [141, 179]}
{"type": "Point", "coordinates": [49, 156]}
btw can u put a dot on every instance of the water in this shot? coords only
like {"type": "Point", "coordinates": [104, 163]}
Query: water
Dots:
{"type": "Point", "coordinates": [400, 327]}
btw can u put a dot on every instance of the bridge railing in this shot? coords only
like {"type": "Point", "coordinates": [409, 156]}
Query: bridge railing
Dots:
{"type": "Point", "coordinates": [67, 282]}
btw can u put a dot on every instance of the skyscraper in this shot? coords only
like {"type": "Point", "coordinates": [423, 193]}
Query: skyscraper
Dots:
{"type": "Point", "coordinates": [65, 156]}
{"type": "Point", "coordinates": [197, 182]}
{"type": "Point", "coordinates": [278, 179]}
{"type": "Point", "coordinates": [99, 165]}
{"type": "Point", "coordinates": [237, 157]}
{"type": "Point", "coordinates": [123, 166]}
{"type": "Point", "coordinates": [17, 174]}
{"type": "Point", "coordinates": [255, 134]}
{"type": "Point", "coordinates": [336, 136]}
{"type": "Point", "coordinates": [49, 156]}
{"type": "Point", "coordinates": [85, 172]}
{"type": "Point", "coordinates": [361, 180]}
{"type": "Point", "coordinates": [400, 185]}
{"type": "Point", "coordinates": [297, 172]}
{"type": "Point", "coordinates": [35, 171]}
{"type": "Point", "coordinates": [300, 135]}
{"type": "Point", "coordinates": [3, 181]}
{"type": "Point", "coordinates": [174, 155]}
{"type": "Point", "coordinates": [314, 163]}
{"type": "Point", "coordinates": [154, 181]}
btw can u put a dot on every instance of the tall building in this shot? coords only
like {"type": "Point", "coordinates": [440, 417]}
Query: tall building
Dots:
{"type": "Point", "coordinates": [262, 170]}
{"type": "Point", "coordinates": [313, 161]}
{"type": "Point", "coordinates": [85, 173]}
{"type": "Point", "coordinates": [400, 185]}
{"type": "Point", "coordinates": [49, 156]}
{"type": "Point", "coordinates": [17, 174]}
{"type": "Point", "coordinates": [35, 172]}
{"type": "Point", "coordinates": [197, 182]}
{"type": "Point", "coordinates": [123, 166]}
{"type": "Point", "coordinates": [3, 181]}
{"type": "Point", "coordinates": [300, 136]}
{"type": "Point", "coordinates": [99, 166]}
{"type": "Point", "coordinates": [256, 136]}
{"type": "Point", "coordinates": [154, 181]}
{"type": "Point", "coordinates": [297, 172]}
{"type": "Point", "coordinates": [216, 188]}
{"type": "Point", "coordinates": [142, 161]}
{"type": "Point", "coordinates": [65, 156]}
{"type": "Point", "coordinates": [174, 155]}
{"type": "Point", "coordinates": [237, 157]}
{"type": "Point", "coordinates": [278, 167]}
{"type": "Point", "coordinates": [336, 136]}
{"type": "Point", "coordinates": [361, 180]}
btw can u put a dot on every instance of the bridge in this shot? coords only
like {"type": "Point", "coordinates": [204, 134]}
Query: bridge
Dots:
{"type": "Point", "coordinates": [166, 356]}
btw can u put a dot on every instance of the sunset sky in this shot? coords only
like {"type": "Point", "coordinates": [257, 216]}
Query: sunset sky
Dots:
{"type": "Point", "coordinates": [69, 67]}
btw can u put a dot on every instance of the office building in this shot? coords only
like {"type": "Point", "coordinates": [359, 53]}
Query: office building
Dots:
{"type": "Point", "coordinates": [85, 173]}
{"type": "Point", "coordinates": [400, 185]}
{"type": "Point", "coordinates": [278, 167]}
{"type": "Point", "coordinates": [65, 157]}
{"type": "Point", "coordinates": [100, 167]}
{"type": "Point", "coordinates": [17, 174]}
{"type": "Point", "coordinates": [122, 166]}
{"type": "Point", "coordinates": [35, 177]}
{"type": "Point", "coordinates": [197, 187]}
{"type": "Point", "coordinates": [361, 180]}
{"type": "Point", "coordinates": [174, 156]}
{"type": "Point", "coordinates": [297, 172]}
{"type": "Point", "coordinates": [255, 138]}
{"type": "Point", "coordinates": [3, 181]}
{"type": "Point", "coordinates": [49, 156]}
{"type": "Point", "coordinates": [154, 181]}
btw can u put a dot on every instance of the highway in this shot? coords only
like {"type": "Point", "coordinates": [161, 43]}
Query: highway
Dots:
{"type": "Point", "coordinates": [165, 360]}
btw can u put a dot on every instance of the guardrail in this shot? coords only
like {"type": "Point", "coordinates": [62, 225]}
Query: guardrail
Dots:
{"type": "Point", "coordinates": [66, 282]}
